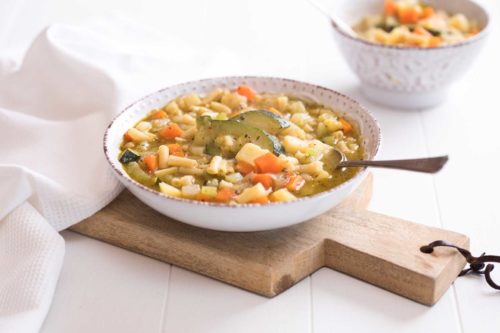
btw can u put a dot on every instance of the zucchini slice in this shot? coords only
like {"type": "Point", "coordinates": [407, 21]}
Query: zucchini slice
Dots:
{"type": "Point", "coordinates": [209, 129]}
{"type": "Point", "coordinates": [135, 171]}
{"type": "Point", "coordinates": [129, 156]}
{"type": "Point", "coordinates": [268, 121]}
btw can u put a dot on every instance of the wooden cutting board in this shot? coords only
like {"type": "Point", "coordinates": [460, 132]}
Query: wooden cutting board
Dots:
{"type": "Point", "coordinates": [378, 249]}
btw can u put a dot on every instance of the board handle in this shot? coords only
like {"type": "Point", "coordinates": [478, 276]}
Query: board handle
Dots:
{"type": "Point", "coordinates": [385, 251]}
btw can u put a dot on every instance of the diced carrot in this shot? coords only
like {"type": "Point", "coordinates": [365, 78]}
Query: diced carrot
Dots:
{"type": "Point", "coordinates": [151, 162]}
{"type": "Point", "coordinates": [389, 7]}
{"type": "Point", "coordinates": [247, 92]}
{"type": "Point", "coordinates": [244, 168]}
{"type": "Point", "coordinates": [203, 197]}
{"type": "Point", "coordinates": [264, 179]}
{"type": "Point", "coordinates": [159, 114]}
{"type": "Point", "coordinates": [427, 12]}
{"type": "Point", "coordinates": [268, 163]}
{"type": "Point", "coordinates": [127, 136]}
{"type": "Point", "coordinates": [435, 41]}
{"type": "Point", "coordinates": [171, 131]}
{"type": "Point", "coordinates": [175, 149]}
{"type": "Point", "coordinates": [295, 183]}
{"type": "Point", "coordinates": [224, 195]}
{"type": "Point", "coordinates": [408, 15]}
{"type": "Point", "coordinates": [419, 30]}
{"type": "Point", "coordinates": [261, 200]}
{"type": "Point", "coordinates": [346, 126]}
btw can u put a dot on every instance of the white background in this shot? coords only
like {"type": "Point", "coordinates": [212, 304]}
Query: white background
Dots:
{"type": "Point", "coordinates": [107, 289]}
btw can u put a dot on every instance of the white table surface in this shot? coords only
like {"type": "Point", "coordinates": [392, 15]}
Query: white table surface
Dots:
{"type": "Point", "coordinates": [106, 289]}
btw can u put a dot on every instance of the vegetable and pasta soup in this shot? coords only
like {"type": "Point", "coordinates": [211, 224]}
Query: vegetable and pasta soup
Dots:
{"type": "Point", "coordinates": [415, 24]}
{"type": "Point", "coordinates": [239, 147]}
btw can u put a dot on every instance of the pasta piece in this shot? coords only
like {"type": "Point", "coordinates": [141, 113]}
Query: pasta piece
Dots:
{"type": "Point", "coordinates": [181, 161]}
{"type": "Point", "coordinates": [163, 154]}
{"type": "Point", "coordinates": [214, 95]}
{"type": "Point", "coordinates": [219, 107]}
{"type": "Point", "coordinates": [169, 190]}
{"type": "Point", "coordinates": [138, 136]}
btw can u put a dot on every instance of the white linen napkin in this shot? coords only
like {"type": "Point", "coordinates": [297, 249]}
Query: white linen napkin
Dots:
{"type": "Point", "coordinates": [54, 108]}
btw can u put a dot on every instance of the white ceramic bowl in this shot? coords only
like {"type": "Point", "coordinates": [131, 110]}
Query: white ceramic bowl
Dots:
{"type": "Point", "coordinates": [402, 77]}
{"type": "Point", "coordinates": [246, 217]}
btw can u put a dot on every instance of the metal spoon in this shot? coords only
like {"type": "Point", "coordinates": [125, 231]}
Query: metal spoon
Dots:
{"type": "Point", "coordinates": [428, 165]}
{"type": "Point", "coordinates": [335, 20]}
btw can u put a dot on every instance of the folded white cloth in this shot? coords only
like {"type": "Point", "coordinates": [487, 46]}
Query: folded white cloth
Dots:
{"type": "Point", "coordinates": [54, 108]}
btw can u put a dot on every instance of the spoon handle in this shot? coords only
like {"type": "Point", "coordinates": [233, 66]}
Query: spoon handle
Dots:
{"type": "Point", "coordinates": [428, 165]}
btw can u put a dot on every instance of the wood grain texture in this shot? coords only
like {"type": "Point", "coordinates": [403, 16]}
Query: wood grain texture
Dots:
{"type": "Point", "coordinates": [375, 248]}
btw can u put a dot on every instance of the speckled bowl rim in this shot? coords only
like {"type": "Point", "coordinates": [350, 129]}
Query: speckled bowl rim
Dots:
{"type": "Point", "coordinates": [480, 35]}
{"type": "Point", "coordinates": [125, 176]}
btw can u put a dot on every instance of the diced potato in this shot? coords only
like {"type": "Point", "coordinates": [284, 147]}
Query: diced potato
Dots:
{"type": "Point", "coordinates": [293, 144]}
{"type": "Point", "coordinates": [282, 196]}
{"type": "Point", "coordinates": [190, 190]}
{"type": "Point", "coordinates": [225, 184]}
{"type": "Point", "coordinates": [296, 107]}
{"type": "Point", "coordinates": [221, 116]}
{"type": "Point", "coordinates": [252, 193]}
{"type": "Point", "coordinates": [460, 22]}
{"type": "Point", "coordinates": [169, 190]}
{"type": "Point", "coordinates": [281, 103]}
{"type": "Point", "coordinates": [332, 124]}
{"type": "Point", "coordinates": [234, 100]}
{"type": "Point", "coordinates": [144, 126]}
{"type": "Point", "coordinates": [301, 119]}
{"type": "Point", "coordinates": [234, 177]}
{"type": "Point", "coordinates": [212, 182]}
{"type": "Point", "coordinates": [210, 191]}
{"type": "Point", "coordinates": [183, 181]}
{"type": "Point", "coordinates": [289, 163]}
{"type": "Point", "coordinates": [191, 100]}
{"type": "Point", "coordinates": [197, 150]}
{"type": "Point", "coordinates": [215, 165]}
{"type": "Point", "coordinates": [173, 109]}
{"type": "Point", "coordinates": [294, 130]}
{"type": "Point", "coordinates": [249, 152]}
{"type": "Point", "coordinates": [321, 130]}
{"type": "Point", "coordinates": [181, 161]}
{"type": "Point", "coordinates": [315, 169]}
